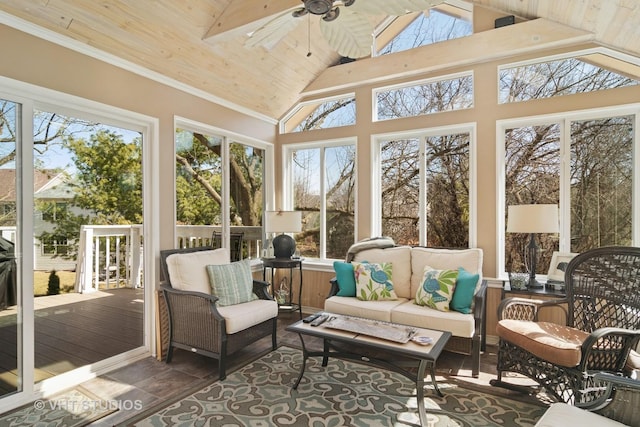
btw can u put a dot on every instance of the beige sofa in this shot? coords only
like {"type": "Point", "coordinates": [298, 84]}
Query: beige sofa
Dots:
{"type": "Point", "coordinates": [408, 264]}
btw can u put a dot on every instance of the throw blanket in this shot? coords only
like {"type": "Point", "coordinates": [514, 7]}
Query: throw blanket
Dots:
{"type": "Point", "coordinates": [370, 243]}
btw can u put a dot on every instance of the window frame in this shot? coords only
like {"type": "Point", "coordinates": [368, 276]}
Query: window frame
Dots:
{"type": "Point", "coordinates": [376, 187]}
{"type": "Point", "coordinates": [288, 187]}
{"type": "Point", "coordinates": [564, 120]}
{"type": "Point", "coordinates": [228, 137]}
{"type": "Point", "coordinates": [374, 94]}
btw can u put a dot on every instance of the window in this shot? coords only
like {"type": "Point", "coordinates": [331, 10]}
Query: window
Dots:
{"type": "Point", "coordinates": [432, 96]}
{"type": "Point", "coordinates": [321, 114]}
{"type": "Point", "coordinates": [440, 23]}
{"type": "Point", "coordinates": [593, 186]}
{"type": "Point", "coordinates": [564, 76]}
{"type": "Point", "coordinates": [219, 187]}
{"type": "Point", "coordinates": [323, 179]}
{"type": "Point", "coordinates": [55, 246]}
{"type": "Point", "coordinates": [425, 188]}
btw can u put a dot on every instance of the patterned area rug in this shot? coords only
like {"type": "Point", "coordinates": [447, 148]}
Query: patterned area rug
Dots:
{"type": "Point", "coordinates": [74, 408]}
{"type": "Point", "coordinates": [342, 394]}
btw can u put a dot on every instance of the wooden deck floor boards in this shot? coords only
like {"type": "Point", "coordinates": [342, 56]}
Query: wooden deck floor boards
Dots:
{"type": "Point", "coordinates": [73, 330]}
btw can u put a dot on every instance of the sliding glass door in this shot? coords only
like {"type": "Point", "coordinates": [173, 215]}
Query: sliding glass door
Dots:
{"type": "Point", "coordinates": [73, 300]}
{"type": "Point", "coordinates": [11, 312]}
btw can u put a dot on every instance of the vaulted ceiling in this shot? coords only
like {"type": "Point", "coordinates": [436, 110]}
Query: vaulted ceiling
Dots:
{"type": "Point", "coordinates": [201, 43]}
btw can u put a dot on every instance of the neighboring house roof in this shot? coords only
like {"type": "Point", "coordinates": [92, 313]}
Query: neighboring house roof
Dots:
{"type": "Point", "coordinates": [43, 181]}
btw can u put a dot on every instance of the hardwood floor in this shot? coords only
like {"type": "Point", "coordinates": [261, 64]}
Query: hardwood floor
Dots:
{"type": "Point", "coordinates": [150, 382]}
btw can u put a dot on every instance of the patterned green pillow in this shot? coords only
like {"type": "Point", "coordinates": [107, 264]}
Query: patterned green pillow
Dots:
{"type": "Point", "coordinates": [436, 288]}
{"type": "Point", "coordinates": [373, 281]}
{"type": "Point", "coordinates": [231, 283]}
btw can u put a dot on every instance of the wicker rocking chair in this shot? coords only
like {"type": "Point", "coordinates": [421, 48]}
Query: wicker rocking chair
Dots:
{"type": "Point", "coordinates": [603, 327]}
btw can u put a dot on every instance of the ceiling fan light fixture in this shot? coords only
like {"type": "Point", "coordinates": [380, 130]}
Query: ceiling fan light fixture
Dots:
{"type": "Point", "coordinates": [318, 7]}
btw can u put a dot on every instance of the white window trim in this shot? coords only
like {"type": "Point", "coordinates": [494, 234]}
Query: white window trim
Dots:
{"type": "Point", "coordinates": [283, 122]}
{"type": "Point", "coordinates": [563, 119]}
{"type": "Point", "coordinates": [228, 137]}
{"type": "Point", "coordinates": [413, 83]}
{"type": "Point", "coordinates": [287, 179]}
{"type": "Point", "coordinates": [376, 187]}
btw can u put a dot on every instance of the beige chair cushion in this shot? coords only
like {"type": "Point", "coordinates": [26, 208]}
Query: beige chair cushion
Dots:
{"type": "Point", "coordinates": [444, 259]}
{"type": "Point", "coordinates": [564, 415]}
{"type": "Point", "coordinates": [633, 362]}
{"type": "Point", "coordinates": [554, 343]}
{"type": "Point", "coordinates": [400, 258]}
{"type": "Point", "coordinates": [239, 317]}
{"type": "Point", "coordinates": [188, 271]}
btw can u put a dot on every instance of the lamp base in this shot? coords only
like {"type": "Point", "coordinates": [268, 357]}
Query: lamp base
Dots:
{"type": "Point", "coordinates": [283, 246]}
{"type": "Point", "coordinates": [534, 284]}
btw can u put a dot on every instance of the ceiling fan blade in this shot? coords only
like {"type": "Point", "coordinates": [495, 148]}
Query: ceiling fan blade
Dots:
{"type": "Point", "coordinates": [351, 35]}
{"type": "Point", "coordinates": [394, 8]}
{"type": "Point", "coordinates": [273, 31]}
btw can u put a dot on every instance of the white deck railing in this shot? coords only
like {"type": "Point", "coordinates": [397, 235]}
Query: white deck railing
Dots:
{"type": "Point", "coordinates": [110, 256]}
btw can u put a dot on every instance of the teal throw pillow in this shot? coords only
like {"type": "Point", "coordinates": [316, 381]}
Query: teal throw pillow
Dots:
{"type": "Point", "coordinates": [464, 292]}
{"type": "Point", "coordinates": [373, 281]}
{"type": "Point", "coordinates": [436, 288]}
{"type": "Point", "coordinates": [346, 279]}
{"type": "Point", "coordinates": [231, 283]}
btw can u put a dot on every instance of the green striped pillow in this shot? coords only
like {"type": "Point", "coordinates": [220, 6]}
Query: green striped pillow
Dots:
{"type": "Point", "coordinates": [231, 283]}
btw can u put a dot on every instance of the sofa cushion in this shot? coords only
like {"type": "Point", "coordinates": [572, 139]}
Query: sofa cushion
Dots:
{"type": "Point", "coordinates": [239, 317]}
{"type": "Point", "coordinates": [464, 291]}
{"type": "Point", "coordinates": [400, 257]}
{"type": "Point", "coordinates": [188, 271]}
{"type": "Point", "coordinates": [437, 288]}
{"type": "Point", "coordinates": [444, 259]}
{"type": "Point", "coordinates": [232, 283]}
{"type": "Point", "coordinates": [408, 313]}
{"type": "Point", "coordinates": [350, 306]}
{"type": "Point", "coordinates": [373, 281]}
{"type": "Point", "coordinates": [558, 344]}
{"type": "Point", "coordinates": [345, 276]}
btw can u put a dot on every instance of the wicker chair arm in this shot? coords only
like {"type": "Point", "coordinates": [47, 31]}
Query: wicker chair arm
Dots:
{"type": "Point", "coordinates": [619, 381]}
{"type": "Point", "coordinates": [194, 319]}
{"type": "Point", "coordinates": [526, 309]}
{"type": "Point", "coordinates": [261, 289]}
{"type": "Point", "coordinates": [334, 287]}
{"type": "Point", "coordinates": [607, 349]}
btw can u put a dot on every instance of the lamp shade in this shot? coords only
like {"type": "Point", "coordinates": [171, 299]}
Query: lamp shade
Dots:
{"type": "Point", "coordinates": [284, 222]}
{"type": "Point", "coordinates": [533, 219]}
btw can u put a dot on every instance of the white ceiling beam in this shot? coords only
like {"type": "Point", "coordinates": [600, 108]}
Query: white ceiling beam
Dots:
{"type": "Point", "coordinates": [244, 16]}
{"type": "Point", "coordinates": [525, 37]}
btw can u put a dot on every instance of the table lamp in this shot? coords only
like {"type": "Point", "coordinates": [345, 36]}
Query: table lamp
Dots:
{"type": "Point", "coordinates": [533, 219]}
{"type": "Point", "coordinates": [284, 222]}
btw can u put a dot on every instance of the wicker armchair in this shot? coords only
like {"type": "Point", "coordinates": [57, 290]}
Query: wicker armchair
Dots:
{"type": "Point", "coordinates": [603, 327]}
{"type": "Point", "coordinates": [196, 324]}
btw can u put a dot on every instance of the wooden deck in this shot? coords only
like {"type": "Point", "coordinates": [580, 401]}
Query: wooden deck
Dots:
{"type": "Point", "coordinates": [73, 330]}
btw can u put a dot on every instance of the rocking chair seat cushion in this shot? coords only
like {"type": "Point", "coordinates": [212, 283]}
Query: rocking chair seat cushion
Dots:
{"type": "Point", "coordinates": [239, 317]}
{"type": "Point", "coordinates": [554, 343]}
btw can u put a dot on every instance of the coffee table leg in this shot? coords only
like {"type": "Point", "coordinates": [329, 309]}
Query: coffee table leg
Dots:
{"type": "Point", "coordinates": [305, 356]}
{"type": "Point", "coordinates": [422, 413]}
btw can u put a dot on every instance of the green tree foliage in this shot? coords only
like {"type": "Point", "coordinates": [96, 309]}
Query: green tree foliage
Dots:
{"type": "Point", "coordinates": [107, 186]}
{"type": "Point", "coordinates": [199, 166]}
{"type": "Point", "coordinates": [109, 177]}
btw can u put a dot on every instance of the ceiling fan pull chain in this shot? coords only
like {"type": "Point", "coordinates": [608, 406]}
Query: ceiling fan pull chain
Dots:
{"type": "Point", "coordinates": [309, 36]}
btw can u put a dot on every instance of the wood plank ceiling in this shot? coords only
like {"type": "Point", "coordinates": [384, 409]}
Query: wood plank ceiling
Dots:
{"type": "Point", "coordinates": [182, 40]}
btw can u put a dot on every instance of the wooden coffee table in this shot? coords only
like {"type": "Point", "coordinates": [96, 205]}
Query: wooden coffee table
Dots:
{"type": "Point", "coordinates": [395, 356]}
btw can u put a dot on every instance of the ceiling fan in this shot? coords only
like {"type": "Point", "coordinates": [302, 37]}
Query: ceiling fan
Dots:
{"type": "Point", "coordinates": [345, 24]}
